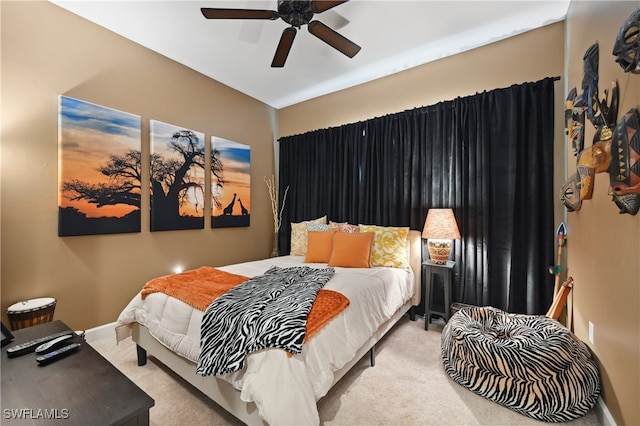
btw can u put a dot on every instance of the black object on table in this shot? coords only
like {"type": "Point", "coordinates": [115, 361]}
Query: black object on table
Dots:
{"type": "Point", "coordinates": [83, 388]}
{"type": "Point", "coordinates": [445, 270]}
{"type": "Point", "coordinates": [7, 337]}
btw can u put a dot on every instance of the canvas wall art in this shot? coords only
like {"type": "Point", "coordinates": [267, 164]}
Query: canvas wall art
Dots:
{"type": "Point", "coordinates": [177, 177]}
{"type": "Point", "coordinates": [230, 183]}
{"type": "Point", "coordinates": [99, 151]}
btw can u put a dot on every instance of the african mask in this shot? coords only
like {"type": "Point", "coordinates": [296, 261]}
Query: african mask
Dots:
{"type": "Point", "coordinates": [590, 81]}
{"type": "Point", "coordinates": [597, 158]}
{"type": "Point", "coordinates": [601, 152]}
{"type": "Point", "coordinates": [606, 112]}
{"type": "Point", "coordinates": [627, 46]}
{"type": "Point", "coordinates": [624, 170]}
{"type": "Point", "coordinates": [586, 173]}
{"type": "Point", "coordinates": [601, 147]}
{"type": "Point", "coordinates": [574, 121]}
{"type": "Point", "coordinates": [568, 103]}
{"type": "Point", "coordinates": [570, 195]}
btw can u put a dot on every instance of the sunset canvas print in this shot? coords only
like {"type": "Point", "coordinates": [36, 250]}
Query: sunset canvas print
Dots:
{"type": "Point", "coordinates": [230, 183]}
{"type": "Point", "coordinates": [177, 177]}
{"type": "Point", "coordinates": [99, 169]}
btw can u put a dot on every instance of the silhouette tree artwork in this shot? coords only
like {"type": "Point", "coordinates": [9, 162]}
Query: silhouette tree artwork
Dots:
{"type": "Point", "coordinates": [176, 183]}
{"type": "Point", "coordinates": [123, 174]}
{"type": "Point", "coordinates": [99, 169]}
{"type": "Point", "coordinates": [123, 187]}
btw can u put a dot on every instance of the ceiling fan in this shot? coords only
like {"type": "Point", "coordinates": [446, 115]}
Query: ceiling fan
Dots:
{"type": "Point", "coordinates": [295, 13]}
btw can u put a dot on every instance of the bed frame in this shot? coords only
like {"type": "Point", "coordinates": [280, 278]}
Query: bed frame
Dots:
{"type": "Point", "coordinates": [225, 395]}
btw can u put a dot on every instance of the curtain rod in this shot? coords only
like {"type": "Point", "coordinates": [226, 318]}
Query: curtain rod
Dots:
{"type": "Point", "coordinates": [398, 113]}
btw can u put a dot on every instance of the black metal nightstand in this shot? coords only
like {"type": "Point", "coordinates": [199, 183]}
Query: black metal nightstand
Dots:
{"type": "Point", "coordinates": [445, 270]}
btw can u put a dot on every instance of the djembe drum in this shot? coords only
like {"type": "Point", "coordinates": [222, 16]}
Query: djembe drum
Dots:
{"type": "Point", "coordinates": [31, 312]}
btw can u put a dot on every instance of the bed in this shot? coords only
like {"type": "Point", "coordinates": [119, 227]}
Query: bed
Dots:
{"type": "Point", "coordinates": [276, 387]}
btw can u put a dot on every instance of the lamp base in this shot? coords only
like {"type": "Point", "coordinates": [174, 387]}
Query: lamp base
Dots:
{"type": "Point", "coordinates": [439, 251]}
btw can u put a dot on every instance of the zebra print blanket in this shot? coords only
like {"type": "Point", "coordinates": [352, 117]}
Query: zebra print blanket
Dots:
{"type": "Point", "coordinates": [268, 311]}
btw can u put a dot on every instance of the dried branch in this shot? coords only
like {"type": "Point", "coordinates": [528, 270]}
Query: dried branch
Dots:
{"type": "Point", "coordinates": [273, 195]}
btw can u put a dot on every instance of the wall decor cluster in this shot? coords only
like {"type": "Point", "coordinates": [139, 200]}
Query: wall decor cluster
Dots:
{"type": "Point", "coordinates": [230, 183]}
{"type": "Point", "coordinates": [616, 147]}
{"type": "Point", "coordinates": [100, 174]}
{"type": "Point", "coordinates": [99, 152]}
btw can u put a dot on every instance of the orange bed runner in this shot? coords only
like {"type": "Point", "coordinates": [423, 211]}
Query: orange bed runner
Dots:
{"type": "Point", "coordinates": [199, 287]}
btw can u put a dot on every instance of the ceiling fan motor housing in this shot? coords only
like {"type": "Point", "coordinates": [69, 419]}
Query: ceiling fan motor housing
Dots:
{"type": "Point", "coordinates": [295, 12]}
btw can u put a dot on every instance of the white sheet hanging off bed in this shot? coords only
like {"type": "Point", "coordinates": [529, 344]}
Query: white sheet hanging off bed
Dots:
{"type": "Point", "coordinates": [284, 388]}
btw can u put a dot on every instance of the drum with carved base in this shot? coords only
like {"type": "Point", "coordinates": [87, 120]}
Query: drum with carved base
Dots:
{"type": "Point", "coordinates": [31, 312]}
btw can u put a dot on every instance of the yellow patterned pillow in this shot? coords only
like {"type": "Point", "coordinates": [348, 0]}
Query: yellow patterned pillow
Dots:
{"type": "Point", "coordinates": [389, 246]}
{"type": "Point", "coordinates": [299, 236]}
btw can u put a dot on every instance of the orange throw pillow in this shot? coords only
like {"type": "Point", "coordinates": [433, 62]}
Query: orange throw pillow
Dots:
{"type": "Point", "coordinates": [319, 246]}
{"type": "Point", "coordinates": [352, 250]}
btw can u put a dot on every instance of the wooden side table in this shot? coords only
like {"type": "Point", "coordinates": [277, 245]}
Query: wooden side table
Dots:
{"type": "Point", "coordinates": [81, 389]}
{"type": "Point", "coordinates": [445, 270]}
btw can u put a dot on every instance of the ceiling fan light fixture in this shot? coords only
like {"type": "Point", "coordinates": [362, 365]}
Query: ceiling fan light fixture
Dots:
{"type": "Point", "coordinates": [295, 13]}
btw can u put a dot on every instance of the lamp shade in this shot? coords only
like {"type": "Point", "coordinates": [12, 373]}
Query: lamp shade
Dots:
{"type": "Point", "coordinates": [439, 229]}
{"type": "Point", "coordinates": [440, 224]}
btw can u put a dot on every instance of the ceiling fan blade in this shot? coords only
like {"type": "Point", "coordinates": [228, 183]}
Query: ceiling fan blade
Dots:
{"type": "Point", "coordinates": [216, 13]}
{"type": "Point", "coordinates": [319, 6]}
{"type": "Point", "coordinates": [333, 39]}
{"type": "Point", "coordinates": [284, 46]}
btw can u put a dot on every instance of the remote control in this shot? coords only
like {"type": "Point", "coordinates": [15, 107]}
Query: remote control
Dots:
{"type": "Point", "coordinates": [28, 347]}
{"type": "Point", "coordinates": [57, 354]}
{"type": "Point", "coordinates": [52, 344]}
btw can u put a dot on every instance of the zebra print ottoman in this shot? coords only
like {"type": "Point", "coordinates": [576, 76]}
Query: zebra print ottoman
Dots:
{"type": "Point", "coordinates": [530, 364]}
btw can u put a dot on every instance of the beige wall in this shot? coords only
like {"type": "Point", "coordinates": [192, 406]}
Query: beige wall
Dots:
{"type": "Point", "coordinates": [46, 52]}
{"type": "Point", "coordinates": [530, 56]}
{"type": "Point", "coordinates": [604, 246]}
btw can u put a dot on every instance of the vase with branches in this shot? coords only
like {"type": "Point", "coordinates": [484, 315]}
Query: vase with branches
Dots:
{"type": "Point", "coordinates": [277, 214]}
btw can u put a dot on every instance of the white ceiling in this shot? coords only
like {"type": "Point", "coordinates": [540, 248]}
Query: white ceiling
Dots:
{"type": "Point", "coordinates": [394, 36]}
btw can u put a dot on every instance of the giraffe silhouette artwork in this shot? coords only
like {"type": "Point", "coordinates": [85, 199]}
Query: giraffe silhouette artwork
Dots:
{"type": "Point", "coordinates": [231, 184]}
{"type": "Point", "coordinates": [228, 211]}
{"type": "Point", "coordinates": [244, 210]}
{"type": "Point", "coordinates": [228, 218]}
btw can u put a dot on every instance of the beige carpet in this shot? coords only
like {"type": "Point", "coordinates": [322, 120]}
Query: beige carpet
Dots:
{"type": "Point", "coordinates": [407, 386]}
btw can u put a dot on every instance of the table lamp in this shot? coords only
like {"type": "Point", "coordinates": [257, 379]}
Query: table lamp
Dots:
{"type": "Point", "coordinates": [439, 229]}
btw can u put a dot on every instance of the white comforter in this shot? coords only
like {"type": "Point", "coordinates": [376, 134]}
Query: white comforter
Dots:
{"type": "Point", "coordinates": [285, 389]}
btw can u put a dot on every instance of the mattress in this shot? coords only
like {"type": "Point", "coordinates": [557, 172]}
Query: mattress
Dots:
{"type": "Point", "coordinates": [284, 388]}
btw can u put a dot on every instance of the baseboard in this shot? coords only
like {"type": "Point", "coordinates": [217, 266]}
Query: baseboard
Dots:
{"type": "Point", "coordinates": [101, 332]}
{"type": "Point", "coordinates": [603, 414]}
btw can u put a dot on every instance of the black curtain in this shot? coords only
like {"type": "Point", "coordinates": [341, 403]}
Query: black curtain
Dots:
{"type": "Point", "coordinates": [489, 157]}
